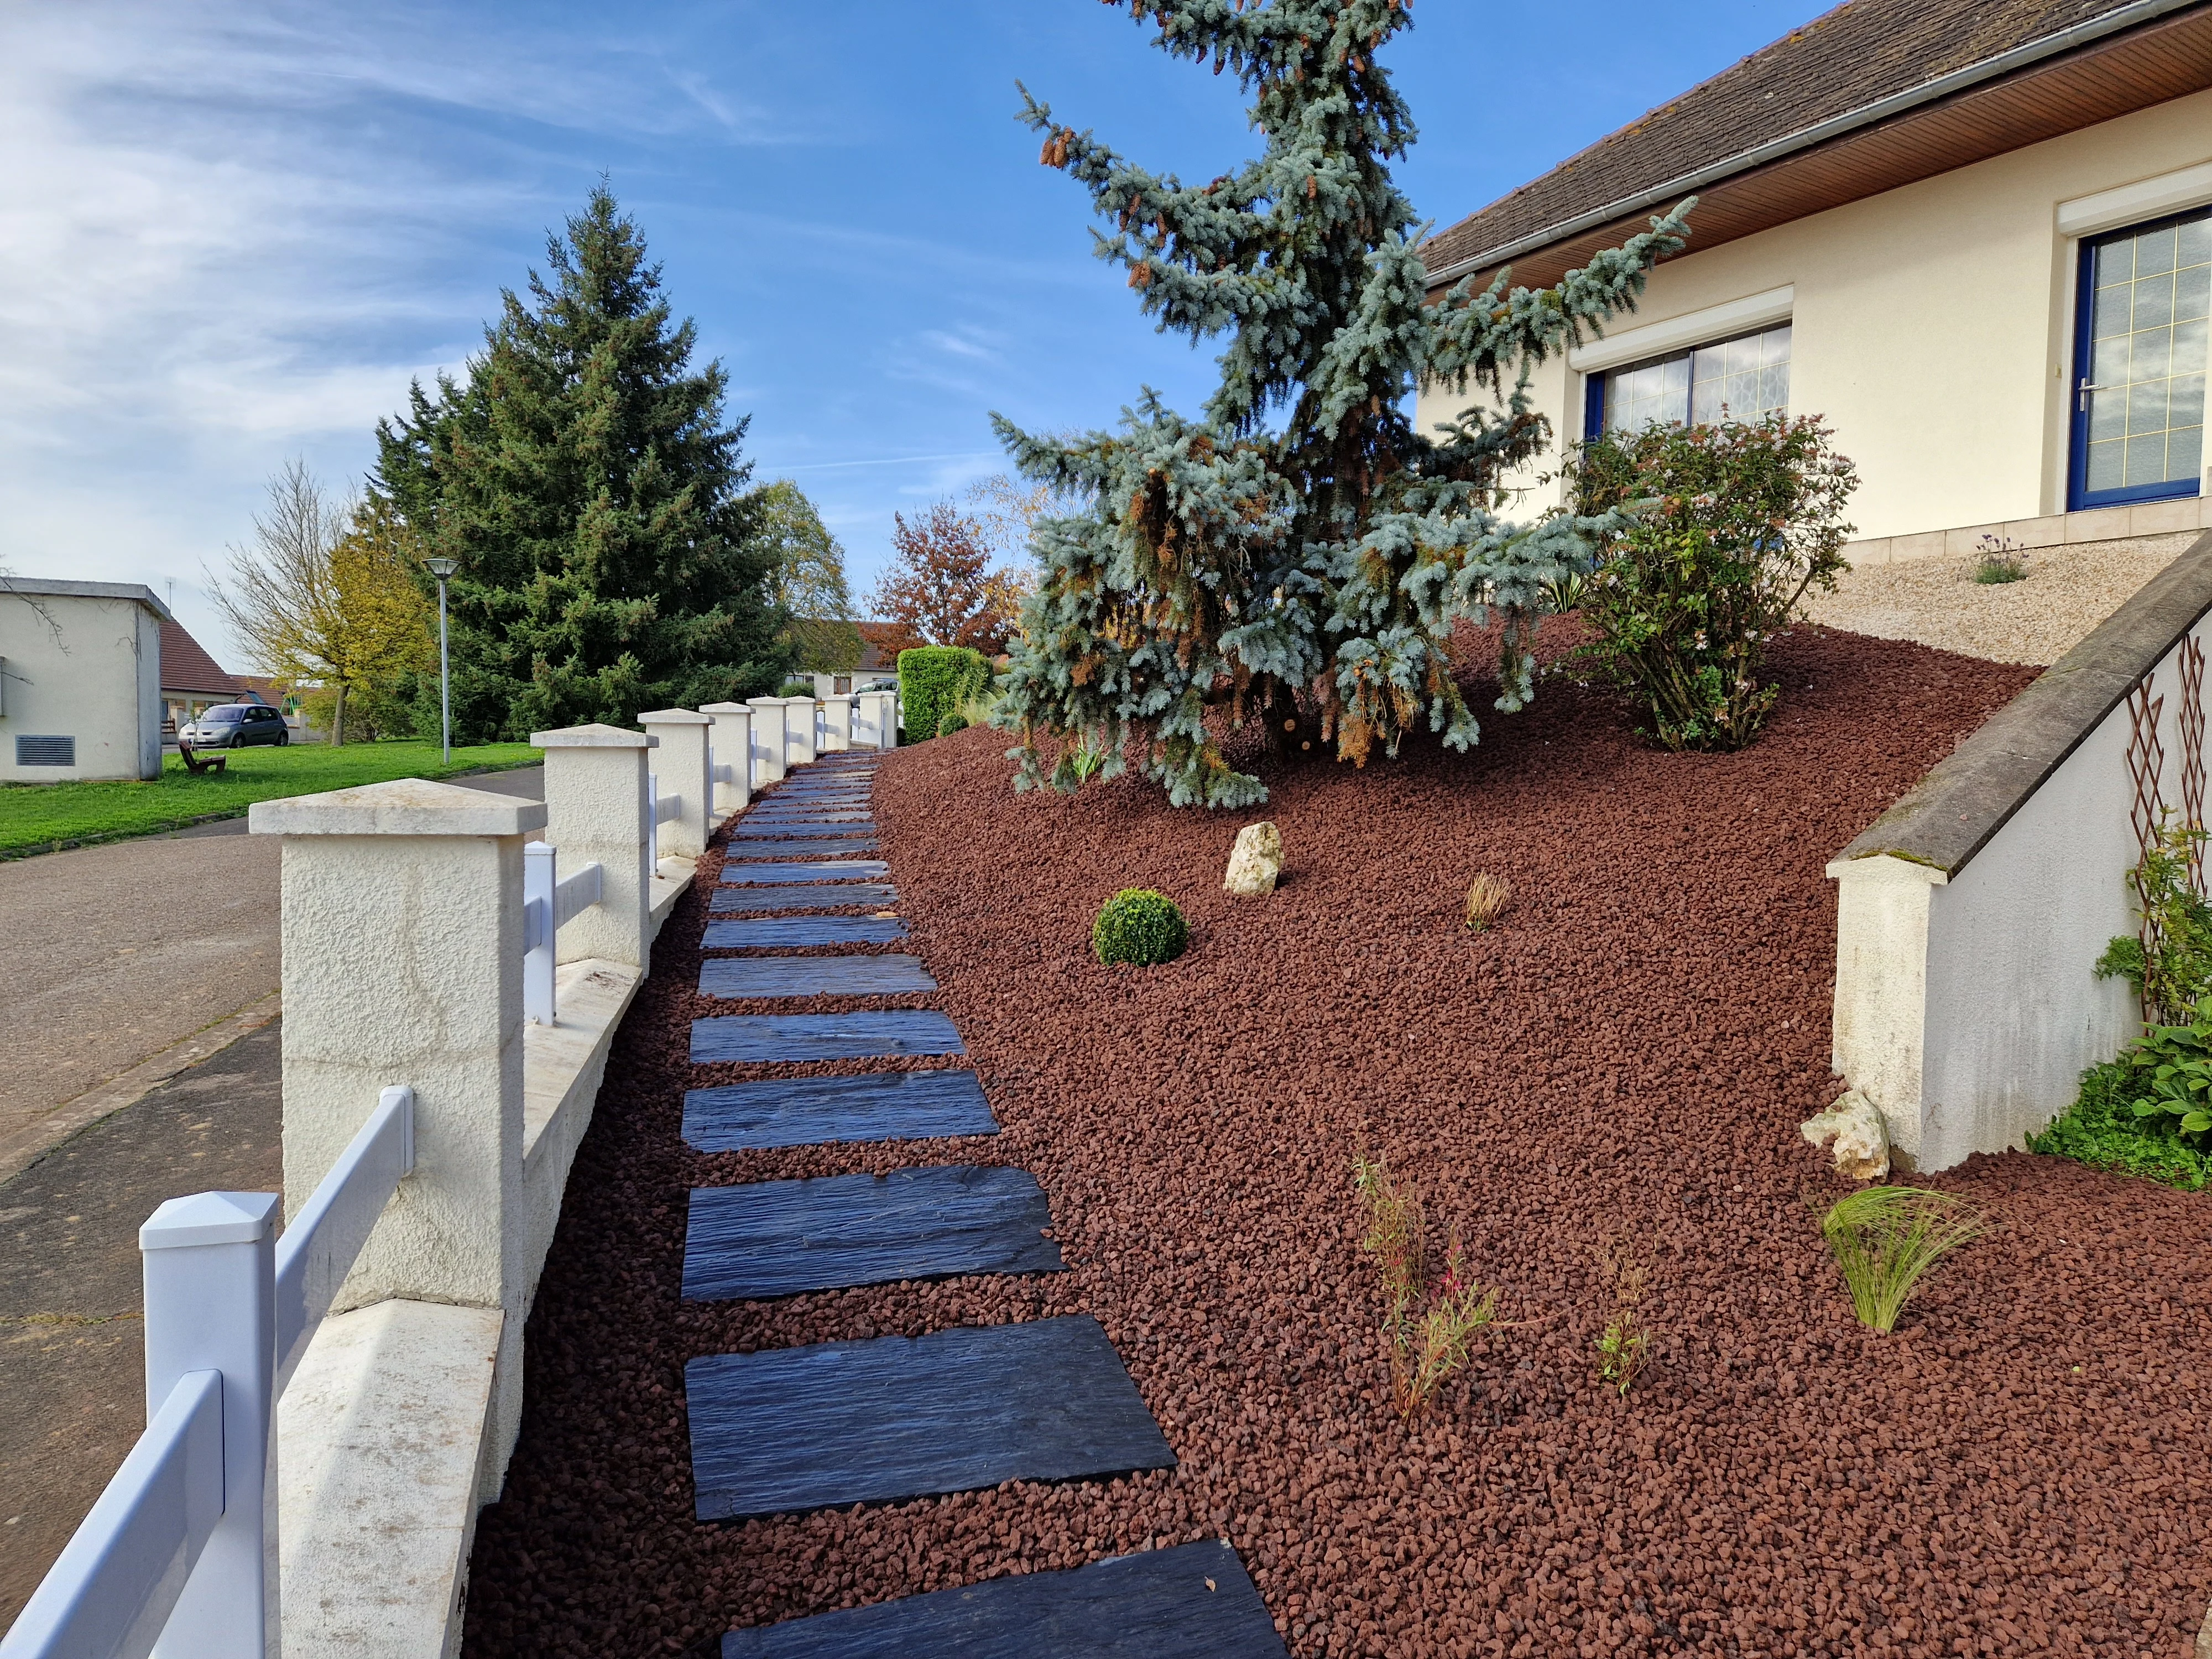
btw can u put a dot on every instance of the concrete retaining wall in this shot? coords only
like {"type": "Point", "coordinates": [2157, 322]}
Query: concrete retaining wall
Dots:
{"type": "Point", "coordinates": [1970, 914]}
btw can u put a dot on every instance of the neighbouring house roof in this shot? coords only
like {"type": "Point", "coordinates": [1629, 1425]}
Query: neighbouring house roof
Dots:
{"type": "Point", "coordinates": [1883, 91]}
{"type": "Point", "coordinates": [57, 587]}
{"type": "Point", "coordinates": [262, 688]}
{"type": "Point", "coordinates": [880, 644]}
{"type": "Point", "coordinates": [188, 670]}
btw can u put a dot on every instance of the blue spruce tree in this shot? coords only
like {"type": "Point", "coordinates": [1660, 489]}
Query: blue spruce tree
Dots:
{"type": "Point", "coordinates": [1299, 553]}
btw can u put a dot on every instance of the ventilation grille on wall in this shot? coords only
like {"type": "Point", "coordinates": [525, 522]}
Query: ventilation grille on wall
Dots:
{"type": "Point", "coordinates": [45, 751]}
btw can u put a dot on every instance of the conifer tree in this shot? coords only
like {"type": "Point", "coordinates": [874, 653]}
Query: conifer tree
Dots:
{"type": "Point", "coordinates": [1298, 551]}
{"type": "Point", "coordinates": [585, 477]}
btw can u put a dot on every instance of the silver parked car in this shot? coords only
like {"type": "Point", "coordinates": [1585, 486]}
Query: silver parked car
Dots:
{"type": "Point", "coordinates": [234, 726]}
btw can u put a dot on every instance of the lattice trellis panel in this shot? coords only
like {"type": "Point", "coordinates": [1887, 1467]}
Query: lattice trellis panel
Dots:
{"type": "Point", "coordinates": [2190, 718]}
{"type": "Point", "coordinates": [2145, 765]}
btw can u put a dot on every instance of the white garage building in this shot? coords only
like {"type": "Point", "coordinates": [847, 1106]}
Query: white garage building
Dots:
{"type": "Point", "coordinates": [80, 680]}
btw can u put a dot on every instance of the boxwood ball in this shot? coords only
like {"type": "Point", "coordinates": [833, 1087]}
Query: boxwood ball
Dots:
{"type": "Point", "coordinates": [1139, 926]}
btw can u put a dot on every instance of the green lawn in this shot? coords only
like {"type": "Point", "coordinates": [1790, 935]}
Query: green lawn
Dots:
{"type": "Point", "coordinates": [37, 816]}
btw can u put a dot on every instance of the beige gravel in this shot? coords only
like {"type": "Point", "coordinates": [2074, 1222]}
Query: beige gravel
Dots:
{"type": "Point", "coordinates": [2068, 591]}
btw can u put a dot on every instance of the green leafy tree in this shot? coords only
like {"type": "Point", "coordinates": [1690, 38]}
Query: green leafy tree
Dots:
{"type": "Point", "coordinates": [583, 474]}
{"type": "Point", "coordinates": [1298, 552]}
{"type": "Point", "coordinates": [807, 581]}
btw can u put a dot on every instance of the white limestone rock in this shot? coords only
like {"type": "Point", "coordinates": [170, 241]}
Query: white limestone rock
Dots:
{"type": "Point", "coordinates": [1254, 862]}
{"type": "Point", "coordinates": [1862, 1138]}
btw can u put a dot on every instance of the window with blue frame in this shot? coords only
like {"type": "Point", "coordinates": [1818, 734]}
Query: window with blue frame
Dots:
{"type": "Point", "coordinates": [2139, 363]}
{"type": "Point", "coordinates": [1743, 379]}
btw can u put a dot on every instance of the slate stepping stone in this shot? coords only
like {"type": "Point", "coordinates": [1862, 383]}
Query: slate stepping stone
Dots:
{"type": "Point", "coordinates": [896, 1417]}
{"type": "Point", "coordinates": [812, 976]}
{"type": "Point", "coordinates": [779, 874]}
{"type": "Point", "coordinates": [771, 1238]}
{"type": "Point", "coordinates": [820, 830]}
{"type": "Point", "coordinates": [745, 851]}
{"type": "Point", "coordinates": [726, 899]}
{"type": "Point", "coordinates": [1193, 1602]}
{"type": "Point", "coordinates": [810, 815]}
{"type": "Point", "coordinates": [757, 1039]}
{"type": "Point", "coordinates": [807, 1111]}
{"type": "Point", "coordinates": [790, 932]}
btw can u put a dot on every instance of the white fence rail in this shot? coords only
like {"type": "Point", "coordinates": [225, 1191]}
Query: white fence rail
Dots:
{"type": "Point", "coordinates": [549, 904]}
{"type": "Point", "coordinates": [659, 809]}
{"type": "Point", "coordinates": [177, 1551]}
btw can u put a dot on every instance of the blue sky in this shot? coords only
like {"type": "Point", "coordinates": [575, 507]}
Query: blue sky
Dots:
{"type": "Point", "coordinates": [230, 233]}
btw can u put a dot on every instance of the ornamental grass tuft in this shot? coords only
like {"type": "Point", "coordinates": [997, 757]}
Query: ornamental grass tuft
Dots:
{"type": "Point", "coordinates": [1140, 927]}
{"type": "Point", "coordinates": [1885, 1239]}
{"type": "Point", "coordinates": [1488, 895]}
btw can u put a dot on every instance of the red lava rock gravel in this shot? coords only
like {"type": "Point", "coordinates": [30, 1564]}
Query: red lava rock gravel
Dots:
{"type": "Point", "coordinates": [2018, 1469]}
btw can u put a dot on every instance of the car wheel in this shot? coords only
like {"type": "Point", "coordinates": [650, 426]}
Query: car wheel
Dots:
{"type": "Point", "coordinates": [284, 737]}
{"type": "Point", "coordinates": [237, 741]}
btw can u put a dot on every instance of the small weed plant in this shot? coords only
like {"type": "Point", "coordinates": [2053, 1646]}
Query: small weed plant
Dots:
{"type": "Point", "coordinates": [1139, 927]}
{"type": "Point", "coordinates": [1488, 895]}
{"type": "Point", "coordinates": [2103, 1130]}
{"type": "Point", "coordinates": [1725, 527]}
{"type": "Point", "coordinates": [1886, 1239]}
{"type": "Point", "coordinates": [1083, 759]}
{"type": "Point", "coordinates": [1626, 1343]}
{"type": "Point", "coordinates": [1429, 1326]}
{"type": "Point", "coordinates": [1998, 560]}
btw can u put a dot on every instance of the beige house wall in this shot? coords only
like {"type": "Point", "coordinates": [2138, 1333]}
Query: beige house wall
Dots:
{"type": "Point", "coordinates": [82, 667]}
{"type": "Point", "coordinates": [1933, 328]}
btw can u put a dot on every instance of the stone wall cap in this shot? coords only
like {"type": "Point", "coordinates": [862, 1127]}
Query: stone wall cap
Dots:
{"type": "Point", "coordinates": [595, 736]}
{"type": "Point", "coordinates": [724, 708]}
{"type": "Point", "coordinates": [1951, 813]}
{"type": "Point", "coordinates": [790, 699]}
{"type": "Point", "coordinates": [405, 806]}
{"type": "Point", "coordinates": [675, 717]}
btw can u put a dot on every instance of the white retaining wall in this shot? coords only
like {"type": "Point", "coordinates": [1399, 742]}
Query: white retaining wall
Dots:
{"type": "Point", "coordinates": [1969, 915]}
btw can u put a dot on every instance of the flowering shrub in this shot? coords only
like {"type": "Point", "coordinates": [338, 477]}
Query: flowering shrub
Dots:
{"type": "Point", "coordinates": [1731, 525]}
{"type": "Point", "coordinates": [1430, 1327]}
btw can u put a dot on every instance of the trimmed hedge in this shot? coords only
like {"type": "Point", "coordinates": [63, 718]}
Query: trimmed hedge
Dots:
{"type": "Point", "coordinates": [933, 681]}
{"type": "Point", "coordinates": [1140, 926]}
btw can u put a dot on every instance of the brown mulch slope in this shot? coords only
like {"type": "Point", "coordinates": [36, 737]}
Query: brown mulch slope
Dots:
{"type": "Point", "coordinates": [2016, 1470]}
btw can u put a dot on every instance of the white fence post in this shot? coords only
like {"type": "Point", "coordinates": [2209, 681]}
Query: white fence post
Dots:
{"type": "Point", "coordinates": [838, 721]}
{"type": "Point", "coordinates": [540, 876]}
{"type": "Point", "coordinates": [596, 789]}
{"type": "Point", "coordinates": [767, 738]}
{"type": "Point", "coordinates": [798, 731]}
{"type": "Point", "coordinates": [401, 953]}
{"type": "Point", "coordinates": [679, 767]}
{"type": "Point", "coordinates": [210, 1283]}
{"type": "Point", "coordinates": [732, 753]}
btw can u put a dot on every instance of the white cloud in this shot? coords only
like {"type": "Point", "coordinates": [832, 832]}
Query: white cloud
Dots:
{"type": "Point", "coordinates": [231, 234]}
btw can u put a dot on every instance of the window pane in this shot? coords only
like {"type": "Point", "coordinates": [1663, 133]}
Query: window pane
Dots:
{"type": "Point", "coordinates": [2190, 291]}
{"type": "Point", "coordinates": [2147, 459]}
{"type": "Point", "coordinates": [2108, 414]}
{"type": "Point", "coordinates": [2184, 454]}
{"type": "Point", "coordinates": [2188, 400]}
{"type": "Point", "coordinates": [2153, 253]}
{"type": "Point", "coordinates": [2154, 302]}
{"type": "Point", "coordinates": [2150, 354]}
{"type": "Point", "coordinates": [2106, 465]}
{"type": "Point", "coordinates": [2193, 242]}
{"type": "Point", "coordinates": [2189, 348]}
{"type": "Point", "coordinates": [2113, 308]}
{"type": "Point", "coordinates": [2146, 407]}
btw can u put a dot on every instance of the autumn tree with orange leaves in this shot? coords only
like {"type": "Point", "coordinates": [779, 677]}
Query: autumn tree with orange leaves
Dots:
{"type": "Point", "coordinates": [941, 587]}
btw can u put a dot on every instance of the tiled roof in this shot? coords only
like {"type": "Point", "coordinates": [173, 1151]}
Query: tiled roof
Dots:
{"type": "Point", "coordinates": [186, 668]}
{"type": "Point", "coordinates": [1861, 52]}
{"type": "Point", "coordinates": [880, 644]}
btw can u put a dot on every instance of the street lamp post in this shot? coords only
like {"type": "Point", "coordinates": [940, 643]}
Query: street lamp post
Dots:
{"type": "Point", "coordinates": [443, 568]}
